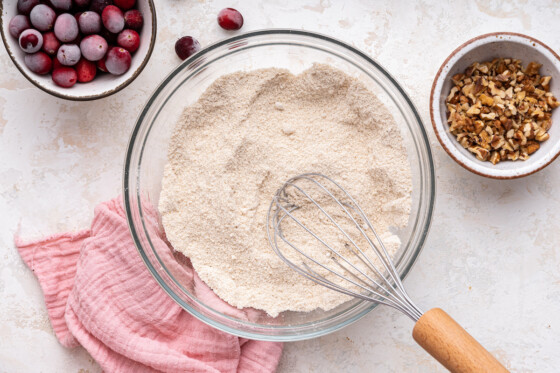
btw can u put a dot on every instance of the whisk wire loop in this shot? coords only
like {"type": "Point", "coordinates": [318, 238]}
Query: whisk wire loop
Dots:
{"type": "Point", "coordinates": [398, 300]}
{"type": "Point", "coordinates": [388, 290]}
{"type": "Point", "coordinates": [385, 259]}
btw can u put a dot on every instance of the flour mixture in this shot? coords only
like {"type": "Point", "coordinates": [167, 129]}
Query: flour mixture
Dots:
{"type": "Point", "coordinates": [247, 134]}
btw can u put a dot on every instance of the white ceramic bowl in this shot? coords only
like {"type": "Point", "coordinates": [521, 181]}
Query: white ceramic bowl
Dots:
{"type": "Point", "coordinates": [103, 85]}
{"type": "Point", "coordinates": [484, 48]}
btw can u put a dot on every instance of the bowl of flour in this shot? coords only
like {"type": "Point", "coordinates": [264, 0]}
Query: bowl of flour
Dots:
{"type": "Point", "coordinates": [220, 136]}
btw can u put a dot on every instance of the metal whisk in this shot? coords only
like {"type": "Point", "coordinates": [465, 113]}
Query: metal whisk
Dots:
{"type": "Point", "coordinates": [361, 266]}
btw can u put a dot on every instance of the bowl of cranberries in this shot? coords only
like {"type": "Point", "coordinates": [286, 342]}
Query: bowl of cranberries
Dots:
{"type": "Point", "coordinates": [79, 49]}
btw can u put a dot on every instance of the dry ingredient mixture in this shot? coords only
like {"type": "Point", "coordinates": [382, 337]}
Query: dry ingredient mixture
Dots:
{"type": "Point", "coordinates": [499, 110]}
{"type": "Point", "coordinates": [246, 135]}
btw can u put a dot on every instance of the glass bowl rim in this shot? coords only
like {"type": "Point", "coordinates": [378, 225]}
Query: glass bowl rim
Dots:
{"type": "Point", "coordinates": [428, 158]}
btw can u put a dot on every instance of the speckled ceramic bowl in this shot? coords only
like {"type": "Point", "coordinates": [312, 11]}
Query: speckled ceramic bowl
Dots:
{"type": "Point", "coordinates": [146, 157]}
{"type": "Point", "coordinates": [485, 48]}
{"type": "Point", "coordinates": [103, 85]}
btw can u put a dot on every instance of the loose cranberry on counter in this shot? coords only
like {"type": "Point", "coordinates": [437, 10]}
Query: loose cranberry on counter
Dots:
{"type": "Point", "coordinates": [68, 54]}
{"type": "Point", "coordinates": [230, 19]}
{"type": "Point", "coordinates": [42, 17]}
{"type": "Point", "coordinates": [30, 41]}
{"type": "Point", "coordinates": [118, 61]}
{"type": "Point", "coordinates": [18, 24]}
{"type": "Point", "coordinates": [125, 4]}
{"type": "Point", "coordinates": [133, 19]}
{"type": "Point", "coordinates": [86, 70]}
{"type": "Point", "coordinates": [66, 28]}
{"type": "Point", "coordinates": [89, 22]}
{"type": "Point", "coordinates": [25, 6]}
{"type": "Point", "coordinates": [186, 47]}
{"type": "Point", "coordinates": [94, 47]}
{"type": "Point", "coordinates": [38, 62]}
{"type": "Point", "coordinates": [50, 43]}
{"type": "Point", "coordinates": [129, 40]}
{"type": "Point", "coordinates": [65, 77]}
{"type": "Point", "coordinates": [113, 19]}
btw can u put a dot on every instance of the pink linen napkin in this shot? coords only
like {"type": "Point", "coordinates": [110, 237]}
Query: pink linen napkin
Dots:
{"type": "Point", "coordinates": [99, 294]}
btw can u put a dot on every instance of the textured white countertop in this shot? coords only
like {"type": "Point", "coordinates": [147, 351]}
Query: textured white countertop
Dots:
{"type": "Point", "coordinates": [491, 260]}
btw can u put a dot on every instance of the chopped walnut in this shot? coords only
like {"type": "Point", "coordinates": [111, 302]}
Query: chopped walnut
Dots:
{"type": "Point", "coordinates": [499, 110]}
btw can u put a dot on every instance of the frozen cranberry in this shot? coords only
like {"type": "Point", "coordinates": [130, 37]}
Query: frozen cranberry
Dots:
{"type": "Point", "coordinates": [25, 6]}
{"type": "Point", "coordinates": [30, 41]}
{"type": "Point", "coordinates": [42, 17]}
{"type": "Point", "coordinates": [101, 65]}
{"type": "Point", "coordinates": [18, 24]}
{"type": "Point", "coordinates": [186, 47]}
{"type": "Point", "coordinates": [129, 40]}
{"type": "Point", "coordinates": [98, 5]}
{"type": "Point", "coordinates": [86, 71]}
{"type": "Point", "coordinates": [230, 19]}
{"type": "Point", "coordinates": [94, 47]}
{"type": "Point", "coordinates": [50, 43]}
{"type": "Point", "coordinates": [62, 4]}
{"type": "Point", "coordinates": [133, 19]}
{"type": "Point", "coordinates": [68, 54]}
{"type": "Point", "coordinates": [90, 22]}
{"type": "Point", "coordinates": [81, 3]}
{"type": "Point", "coordinates": [65, 77]}
{"type": "Point", "coordinates": [125, 4]}
{"type": "Point", "coordinates": [66, 28]}
{"type": "Point", "coordinates": [118, 61]}
{"type": "Point", "coordinates": [56, 64]}
{"type": "Point", "coordinates": [113, 19]}
{"type": "Point", "coordinates": [38, 62]}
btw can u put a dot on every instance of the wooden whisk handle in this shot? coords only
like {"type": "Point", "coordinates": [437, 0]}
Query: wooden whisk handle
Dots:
{"type": "Point", "coordinates": [452, 346]}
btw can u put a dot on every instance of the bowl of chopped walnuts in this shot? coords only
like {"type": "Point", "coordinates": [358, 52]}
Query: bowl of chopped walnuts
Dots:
{"type": "Point", "coordinates": [493, 105]}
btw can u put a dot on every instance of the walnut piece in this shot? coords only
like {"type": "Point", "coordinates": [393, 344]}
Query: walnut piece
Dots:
{"type": "Point", "coordinates": [499, 110]}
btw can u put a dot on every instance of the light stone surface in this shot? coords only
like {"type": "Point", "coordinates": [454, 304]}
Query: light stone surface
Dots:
{"type": "Point", "coordinates": [491, 260]}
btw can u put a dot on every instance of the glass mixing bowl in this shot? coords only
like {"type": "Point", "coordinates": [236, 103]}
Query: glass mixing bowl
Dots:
{"type": "Point", "coordinates": [147, 155]}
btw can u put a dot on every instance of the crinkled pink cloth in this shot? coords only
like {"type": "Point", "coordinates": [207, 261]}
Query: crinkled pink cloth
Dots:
{"type": "Point", "coordinates": [99, 294]}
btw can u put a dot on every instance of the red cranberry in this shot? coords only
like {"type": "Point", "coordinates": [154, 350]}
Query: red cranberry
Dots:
{"type": "Point", "coordinates": [118, 61]}
{"type": "Point", "coordinates": [129, 40]}
{"type": "Point", "coordinates": [98, 5]}
{"type": "Point", "coordinates": [65, 77]}
{"type": "Point", "coordinates": [62, 4]}
{"type": "Point", "coordinates": [125, 4]}
{"type": "Point", "coordinates": [133, 19]}
{"type": "Point", "coordinates": [230, 19]}
{"type": "Point", "coordinates": [113, 19]}
{"type": "Point", "coordinates": [66, 28]}
{"type": "Point", "coordinates": [90, 22]}
{"type": "Point", "coordinates": [101, 65]}
{"type": "Point", "coordinates": [18, 24]}
{"type": "Point", "coordinates": [25, 6]}
{"type": "Point", "coordinates": [94, 47]}
{"type": "Point", "coordinates": [186, 47]}
{"type": "Point", "coordinates": [42, 17]}
{"type": "Point", "coordinates": [68, 54]}
{"type": "Point", "coordinates": [38, 62]}
{"type": "Point", "coordinates": [109, 36]}
{"type": "Point", "coordinates": [30, 41]}
{"type": "Point", "coordinates": [56, 64]}
{"type": "Point", "coordinates": [50, 43]}
{"type": "Point", "coordinates": [81, 3]}
{"type": "Point", "coordinates": [86, 71]}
